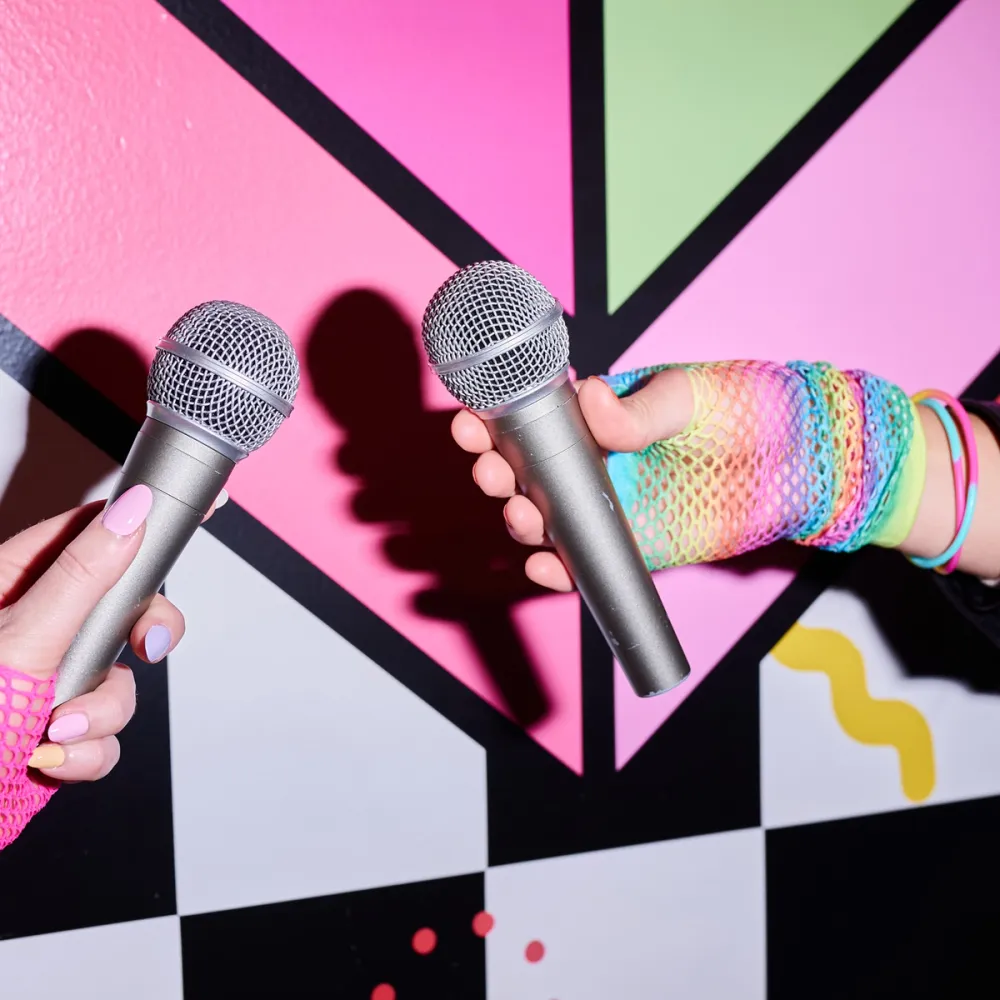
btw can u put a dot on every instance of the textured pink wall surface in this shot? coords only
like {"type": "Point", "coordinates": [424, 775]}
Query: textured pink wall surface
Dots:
{"type": "Point", "coordinates": [140, 176]}
{"type": "Point", "coordinates": [472, 97]}
{"type": "Point", "coordinates": [880, 254]}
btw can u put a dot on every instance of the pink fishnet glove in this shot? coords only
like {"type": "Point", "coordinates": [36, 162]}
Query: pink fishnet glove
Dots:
{"type": "Point", "coordinates": [25, 706]}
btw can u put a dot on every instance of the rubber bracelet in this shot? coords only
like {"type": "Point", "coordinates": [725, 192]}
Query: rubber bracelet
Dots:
{"type": "Point", "coordinates": [948, 560]}
{"type": "Point", "coordinates": [957, 453]}
{"type": "Point", "coordinates": [972, 459]}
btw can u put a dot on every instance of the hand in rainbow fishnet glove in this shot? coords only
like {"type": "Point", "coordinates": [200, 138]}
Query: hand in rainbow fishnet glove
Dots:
{"type": "Point", "coordinates": [713, 460]}
{"type": "Point", "coordinates": [799, 452]}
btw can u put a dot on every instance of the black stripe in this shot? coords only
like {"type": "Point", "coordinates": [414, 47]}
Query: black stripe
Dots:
{"type": "Point", "coordinates": [586, 21]}
{"type": "Point", "coordinates": [303, 103]}
{"type": "Point", "coordinates": [590, 262]}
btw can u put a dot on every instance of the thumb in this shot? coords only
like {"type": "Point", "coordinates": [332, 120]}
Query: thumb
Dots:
{"type": "Point", "coordinates": [661, 408]}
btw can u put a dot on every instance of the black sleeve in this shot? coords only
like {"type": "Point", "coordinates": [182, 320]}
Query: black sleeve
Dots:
{"type": "Point", "coordinates": [976, 601]}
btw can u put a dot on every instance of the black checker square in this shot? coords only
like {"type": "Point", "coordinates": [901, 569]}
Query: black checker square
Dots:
{"type": "Point", "coordinates": [897, 905]}
{"type": "Point", "coordinates": [343, 946]}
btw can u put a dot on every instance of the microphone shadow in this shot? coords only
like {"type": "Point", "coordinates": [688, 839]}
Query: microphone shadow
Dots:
{"type": "Point", "coordinates": [54, 473]}
{"type": "Point", "coordinates": [366, 368]}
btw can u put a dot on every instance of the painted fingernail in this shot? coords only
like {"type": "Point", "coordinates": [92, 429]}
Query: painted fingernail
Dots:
{"type": "Point", "coordinates": [222, 499]}
{"type": "Point", "coordinates": [156, 643]}
{"type": "Point", "coordinates": [47, 756]}
{"type": "Point", "coordinates": [128, 512]}
{"type": "Point", "coordinates": [69, 727]}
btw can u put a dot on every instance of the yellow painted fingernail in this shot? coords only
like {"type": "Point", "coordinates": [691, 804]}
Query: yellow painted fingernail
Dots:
{"type": "Point", "coordinates": [47, 756]}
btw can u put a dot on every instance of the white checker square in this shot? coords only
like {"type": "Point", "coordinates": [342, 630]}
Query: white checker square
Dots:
{"type": "Point", "coordinates": [128, 961]}
{"type": "Point", "coordinates": [300, 768]}
{"type": "Point", "coordinates": [939, 742]}
{"type": "Point", "coordinates": [682, 918]}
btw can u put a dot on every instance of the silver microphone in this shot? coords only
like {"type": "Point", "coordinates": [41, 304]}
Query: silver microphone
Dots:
{"type": "Point", "coordinates": [497, 340]}
{"type": "Point", "coordinates": [222, 381]}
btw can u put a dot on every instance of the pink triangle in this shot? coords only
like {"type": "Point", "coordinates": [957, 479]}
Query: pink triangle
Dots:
{"type": "Point", "coordinates": [473, 98]}
{"type": "Point", "coordinates": [877, 255]}
{"type": "Point", "coordinates": [184, 184]}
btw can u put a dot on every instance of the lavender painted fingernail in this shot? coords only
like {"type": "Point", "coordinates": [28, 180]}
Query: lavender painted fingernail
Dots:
{"type": "Point", "coordinates": [156, 643]}
{"type": "Point", "coordinates": [127, 513]}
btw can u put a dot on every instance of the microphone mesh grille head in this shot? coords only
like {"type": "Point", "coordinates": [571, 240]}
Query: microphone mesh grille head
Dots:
{"type": "Point", "coordinates": [476, 310]}
{"type": "Point", "coordinates": [245, 342]}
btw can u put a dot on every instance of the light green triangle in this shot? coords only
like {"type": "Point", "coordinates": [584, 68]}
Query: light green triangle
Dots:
{"type": "Point", "coordinates": [697, 92]}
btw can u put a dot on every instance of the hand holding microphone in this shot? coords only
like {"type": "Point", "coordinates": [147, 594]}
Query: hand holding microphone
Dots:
{"type": "Point", "coordinates": [76, 588]}
{"type": "Point", "coordinates": [497, 340]}
{"type": "Point", "coordinates": [626, 425]}
{"type": "Point", "coordinates": [223, 380]}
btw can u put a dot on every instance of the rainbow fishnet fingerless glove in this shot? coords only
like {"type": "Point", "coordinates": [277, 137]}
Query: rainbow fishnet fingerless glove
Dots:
{"type": "Point", "coordinates": [25, 706]}
{"type": "Point", "coordinates": [801, 452]}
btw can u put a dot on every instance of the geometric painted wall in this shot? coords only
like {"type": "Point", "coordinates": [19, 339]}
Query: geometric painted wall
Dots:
{"type": "Point", "coordinates": [375, 726]}
{"type": "Point", "coordinates": [697, 95]}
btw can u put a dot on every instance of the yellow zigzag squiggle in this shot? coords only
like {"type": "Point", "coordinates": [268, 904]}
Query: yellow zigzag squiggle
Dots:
{"type": "Point", "coordinates": [862, 717]}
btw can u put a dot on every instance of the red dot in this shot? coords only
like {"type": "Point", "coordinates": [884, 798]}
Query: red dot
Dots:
{"type": "Point", "coordinates": [535, 951]}
{"type": "Point", "coordinates": [482, 923]}
{"type": "Point", "coordinates": [383, 992]}
{"type": "Point", "coordinates": [424, 941]}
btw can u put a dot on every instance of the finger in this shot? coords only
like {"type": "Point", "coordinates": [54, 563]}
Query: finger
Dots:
{"type": "Point", "coordinates": [220, 501]}
{"type": "Point", "coordinates": [103, 712]}
{"type": "Point", "coordinates": [470, 432]}
{"type": "Point", "coordinates": [661, 408]}
{"type": "Point", "coordinates": [524, 521]}
{"type": "Point", "coordinates": [493, 475]}
{"type": "Point", "coordinates": [29, 552]}
{"type": "Point", "coordinates": [158, 631]}
{"type": "Point", "coordinates": [547, 570]}
{"type": "Point", "coordinates": [87, 761]}
{"type": "Point", "coordinates": [37, 630]}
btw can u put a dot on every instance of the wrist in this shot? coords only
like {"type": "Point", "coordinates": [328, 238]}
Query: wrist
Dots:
{"type": "Point", "coordinates": [934, 525]}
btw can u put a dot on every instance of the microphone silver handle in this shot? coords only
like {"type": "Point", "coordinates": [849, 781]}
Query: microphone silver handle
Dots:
{"type": "Point", "coordinates": [185, 476]}
{"type": "Point", "coordinates": [559, 466]}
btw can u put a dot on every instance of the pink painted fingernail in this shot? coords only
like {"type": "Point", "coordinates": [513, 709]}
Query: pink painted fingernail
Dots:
{"type": "Point", "coordinates": [156, 643]}
{"type": "Point", "coordinates": [69, 727]}
{"type": "Point", "coordinates": [128, 512]}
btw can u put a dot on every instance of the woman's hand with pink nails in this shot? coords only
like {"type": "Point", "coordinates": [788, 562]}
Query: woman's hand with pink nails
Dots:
{"type": "Point", "coordinates": [51, 577]}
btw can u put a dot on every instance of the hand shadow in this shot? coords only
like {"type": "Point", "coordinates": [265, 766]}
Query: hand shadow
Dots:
{"type": "Point", "coordinates": [365, 368]}
{"type": "Point", "coordinates": [54, 474]}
